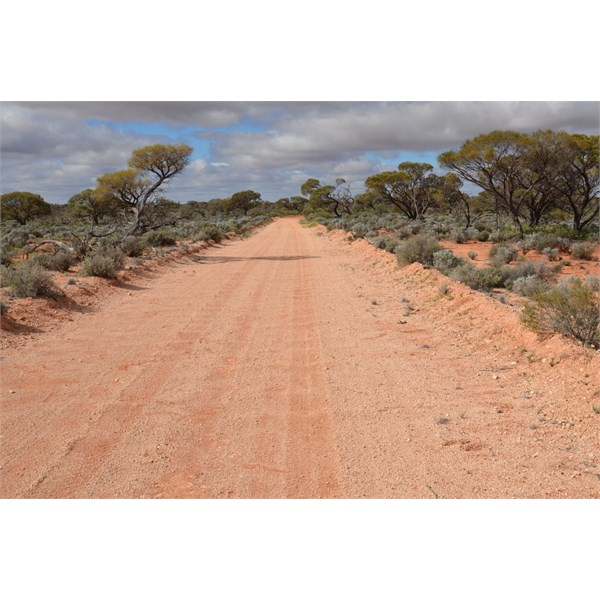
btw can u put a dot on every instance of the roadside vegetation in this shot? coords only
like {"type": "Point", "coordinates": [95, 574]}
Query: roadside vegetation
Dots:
{"type": "Point", "coordinates": [537, 206]}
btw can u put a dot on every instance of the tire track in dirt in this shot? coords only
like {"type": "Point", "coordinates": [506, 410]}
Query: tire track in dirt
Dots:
{"type": "Point", "coordinates": [116, 407]}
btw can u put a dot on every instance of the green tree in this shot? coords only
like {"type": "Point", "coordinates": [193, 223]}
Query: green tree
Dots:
{"type": "Point", "coordinates": [243, 201]}
{"type": "Point", "coordinates": [497, 162]}
{"type": "Point", "coordinates": [540, 166]}
{"type": "Point", "coordinates": [413, 188]}
{"type": "Point", "coordinates": [23, 206]}
{"type": "Point", "coordinates": [334, 198]}
{"type": "Point", "coordinates": [577, 177]}
{"type": "Point", "coordinates": [88, 205]}
{"type": "Point", "coordinates": [139, 186]}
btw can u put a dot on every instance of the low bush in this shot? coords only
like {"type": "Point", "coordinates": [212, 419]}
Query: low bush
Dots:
{"type": "Point", "coordinates": [209, 233]}
{"type": "Point", "coordinates": [103, 262]}
{"type": "Point", "coordinates": [4, 306]}
{"type": "Point", "coordinates": [550, 253]}
{"type": "Point", "coordinates": [501, 254]}
{"type": "Point", "coordinates": [6, 255]}
{"type": "Point", "coordinates": [418, 248]}
{"type": "Point", "coordinates": [61, 261]}
{"type": "Point", "coordinates": [529, 285]}
{"type": "Point", "coordinates": [30, 280]}
{"type": "Point", "coordinates": [483, 236]}
{"type": "Point", "coordinates": [445, 261]}
{"type": "Point", "coordinates": [379, 242]}
{"type": "Point", "coordinates": [458, 236]}
{"type": "Point", "coordinates": [583, 250]}
{"type": "Point", "coordinates": [391, 244]}
{"type": "Point", "coordinates": [531, 267]}
{"type": "Point", "coordinates": [571, 308]}
{"type": "Point", "coordinates": [481, 279]}
{"type": "Point", "coordinates": [160, 237]}
{"type": "Point", "coordinates": [133, 246]}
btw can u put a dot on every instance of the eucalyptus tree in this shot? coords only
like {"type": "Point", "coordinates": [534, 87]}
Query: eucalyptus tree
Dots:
{"type": "Point", "coordinates": [335, 198]}
{"type": "Point", "coordinates": [577, 178]}
{"type": "Point", "coordinates": [496, 162]}
{"type": "Point", "coordinates": [23, 206]}
{"type": "Point", "coordinates": [139, 187]}
{"type": "Point", "coordinates": [413, 188]}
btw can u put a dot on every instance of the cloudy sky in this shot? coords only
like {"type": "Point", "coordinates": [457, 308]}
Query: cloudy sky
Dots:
{"type": "Point", "coordinates": [56, 149]}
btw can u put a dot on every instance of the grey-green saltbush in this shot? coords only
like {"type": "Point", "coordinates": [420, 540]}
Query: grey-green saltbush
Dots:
{"type": "Point", "coordinates": [419, 248]}
{"type": "Point", "coordinates": [481, 279]}
{"type": "Point", "coordinates": [571, 308]}
{"type": "Point", "coordinates": [445, 261]}
{"type": "Point", "coordinates": [583, 250]}
{"type": "Point", "coordinates": [379, 242]}
{"type": "Point", "coordinates": [502, 255]}
{"type": "Point", "coordinates": [529, 286]}
{"type": "Point", "coordinates": [103, 262]}
{"type": "Point", "coordinates": [550, 253]}
{"type": "Point", "coordinates": [133, 246]}
{"type": "Point", "coordinates": [209, 232]}
{"type": "Point", "coordinates": [61, 261]}
{"type": "Point", "coordinates": [530, 267]}
{"type": "Point", "coordinates": [31, 280]}
{"type": "Point", "coordinates": [160, 238]}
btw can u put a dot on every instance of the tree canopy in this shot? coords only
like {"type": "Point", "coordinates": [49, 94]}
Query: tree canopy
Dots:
{"type": "Point", "coordinates": [335, 198]}
{"type": "Point", "coordinates": [139, 186]}
{"type": "Point", "coordinates": [528, 175]}
{"type": "Point", "coordinates": [413, 188]}
{"type": "Point", "coordinates": [23, 206]}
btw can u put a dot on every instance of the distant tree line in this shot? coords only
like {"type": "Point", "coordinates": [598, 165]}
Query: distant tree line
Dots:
{"type": "Point", "coordinates": [525, 176]}
{"type": "Point", "coordinates": [528, 177]}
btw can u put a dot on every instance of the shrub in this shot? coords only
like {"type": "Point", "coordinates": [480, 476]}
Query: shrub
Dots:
{"type": "Point", "coordinates": [550, 253]}
{"type": "Point", "coordinates": [529, 286]}
{"type": "Point", "coordinates": [159, 237]}
{"type": "Point", "coordinates": [527, 243]}
{"type": "Point", "coordinates": [498, 236]}
{"type": "Point", "coordinates": [483, 236]}
{"type": "Point", "coordinates": [458, 236]}
{"type": "Point", "coordinates": [103, 262]}
{"type": "Point", "coordinates": [583, 250]}
{"type": "Point", "coordinates": [4, 306]}
{"type": "Point", "coordinates": [379, 242]}
{"type": "Point", "coordinates": [471, 233]}
{"type": "Point", "coordinates": [540, 241]}
{"type": "Point", "coordinates": [31, 280]}
{"type": "Point", "coordinates": [133, 246]}
{"type": "Point", "coordinates": [502, 255]}
{"type": "Point", "coordinates": [481, 279]}
{"type": "Point", "coordinates": [530, 267]}
{"type": "Point", "coordinates": [445, 261]}
{"type": "Point", "coordinates": [360, 230]}
{"type": "Point", "coordinates": [570, 308]}
{"type": "Point", "coordinates": [593, 283]}
{"type": "Point", "coordinates": [472, 254]}
{"type": "Point", "coordinates": [419, 248]}
{"type": "Point", "coordinates": [211, 232]}
{"type": "Point", "coordinates": [391, 244]}
{"type": "Point", "coordinates": [6, 255]}
{"type": "Point", "coordinates": [61, 261]}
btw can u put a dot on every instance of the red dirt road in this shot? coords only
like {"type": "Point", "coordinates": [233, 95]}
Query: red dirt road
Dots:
{"type": "Point", "coordinates": [296, 365]}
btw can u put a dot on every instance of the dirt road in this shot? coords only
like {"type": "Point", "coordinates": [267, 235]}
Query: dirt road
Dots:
{"type": "Point", "coordinates": [296, 365]}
